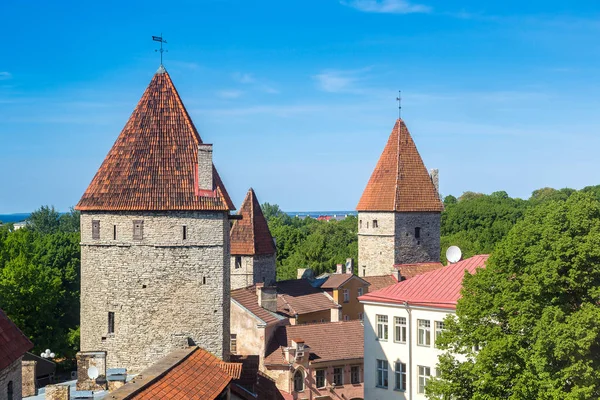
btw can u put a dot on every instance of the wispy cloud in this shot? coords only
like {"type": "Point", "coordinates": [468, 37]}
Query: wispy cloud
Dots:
{"type": "Point", "coordinates": [249, 79]}
{"type": "Point", "coordinates": [230, 94]}
{"type": "Point", "coordinates": [387, 6]}
{"type": "Point", "coordinates": [336, 81]}
{"type": "Point", "coordinates": [5, 75]}
{"type": "Point", "coordinates": [244, 77]}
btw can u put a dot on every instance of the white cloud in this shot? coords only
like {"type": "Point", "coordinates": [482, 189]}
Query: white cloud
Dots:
{"type": "Point", "coordinates": [387, 6]}
{"type": "Point", "coordinates": [336, 81]}
{"type": "Point", "coordinates": [229, 94]}
{"type": "Point", "coordinates": [244, 77]}
{"type": "Point", "coordinates": [5, 75]}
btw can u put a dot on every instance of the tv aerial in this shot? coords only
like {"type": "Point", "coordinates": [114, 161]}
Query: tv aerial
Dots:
{"type": "Point", "coordinates": [453, 254]}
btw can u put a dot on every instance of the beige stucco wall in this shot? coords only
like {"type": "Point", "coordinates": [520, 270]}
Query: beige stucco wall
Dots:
{"type": "Point", "coordinates": [162, 289]}
{"type": "Point", "coordinates": [353, 307]}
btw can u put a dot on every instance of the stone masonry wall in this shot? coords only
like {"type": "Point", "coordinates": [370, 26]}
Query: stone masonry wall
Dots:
{"type": "Point", "coordinates": [8, 374]}
{"type": "Point", "coordinates": [375, 245]}
{"type": "Point", "coordinates": [426, 248]}
{"type": "Point", "coordinates": [161, 288]}
{"type": "Point", "coordinates": [254, 269]}
{"type": "Point", "coordinates": [393, 241]}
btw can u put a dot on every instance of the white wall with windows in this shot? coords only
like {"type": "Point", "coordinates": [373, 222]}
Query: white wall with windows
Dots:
{"type": "Point", "coordinates": [400, 352]}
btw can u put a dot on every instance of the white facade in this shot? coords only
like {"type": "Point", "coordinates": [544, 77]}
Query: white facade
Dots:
{"type": "Point", "coordinates": [406, 346]}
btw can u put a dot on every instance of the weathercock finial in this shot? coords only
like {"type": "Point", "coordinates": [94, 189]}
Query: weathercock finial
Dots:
{"type": "Point", "coordinates": [161, 40]}
{"type": "Point", "coordinates": [399, 100]}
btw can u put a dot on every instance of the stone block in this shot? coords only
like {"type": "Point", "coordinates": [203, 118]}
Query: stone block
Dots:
{"type": "Point", "coordinates": [58, 392]}
{"type": "Point", "coordinates": [29, 383]}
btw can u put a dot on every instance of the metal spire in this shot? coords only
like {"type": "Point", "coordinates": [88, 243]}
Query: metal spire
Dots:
{"type": "Point", "coordinates": [161, 40]}
{"type": "Point", "coordinates": [399, 100]}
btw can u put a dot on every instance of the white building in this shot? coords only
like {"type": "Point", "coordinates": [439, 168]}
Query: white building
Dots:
{"type": "Point", "coordinates": [402, 323]}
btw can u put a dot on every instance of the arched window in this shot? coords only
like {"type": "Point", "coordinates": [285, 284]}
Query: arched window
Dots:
{"type": "Point", "coordinates": [298, 381]}
{"type": "Point", "coordinates": [9, 391]}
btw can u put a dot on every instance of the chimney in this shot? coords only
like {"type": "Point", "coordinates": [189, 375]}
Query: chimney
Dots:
{"type": "Point", "coordinates": [267, 297]}
{"type": "Point", "coordinates": [58, 392]}
{"type": "Point", "coordinates": [28, 380]}
{"type": "Point", "coordinates": [205, 165]}
{"type": "Point", "coordinates": [349, 266]}
{"type": "Point", "coordinates": [397, 274]}
{"type": "Point", "coordinates": [86, 360]}
{"type": "Point", "coordinates": [338, 269]}
{"type": "Point", "coordinates": [435, 178]}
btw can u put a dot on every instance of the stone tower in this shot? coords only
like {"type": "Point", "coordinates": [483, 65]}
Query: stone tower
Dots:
{"type": "Point", "coordinates": [399, 211]}
{"type": "Point", "coordinates": [253, 251]}
{"type": "Point", "coordinates": [155, 239]}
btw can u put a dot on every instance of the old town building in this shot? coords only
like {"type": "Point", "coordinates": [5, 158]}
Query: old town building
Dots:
{"type": "Point", "coordinates": [399, 211]}
{"type": "Point", "coordinates": [13, 345]}
{"type": "Point", "coordinates": [155, 240]}
{"type": "Point", "coordinates": [253, 252]}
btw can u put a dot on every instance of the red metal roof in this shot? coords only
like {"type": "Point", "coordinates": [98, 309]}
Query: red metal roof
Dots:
{"type": "Point", "coordinates": [251, 234]}
{"type": "Point", "coordinates": [400, 181]}
{"type": "Point", "coordinates": [439, 288]}
{"type": "Point", "coordinates": [13, 343]}
{"type": "Point", "coordinates": [153, 164]}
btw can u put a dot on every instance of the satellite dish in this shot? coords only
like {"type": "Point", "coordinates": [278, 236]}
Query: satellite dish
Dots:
{"type": "Point", "coordinates": [453, 254]}
{"type": "Point", "coordinates": [92, 372]}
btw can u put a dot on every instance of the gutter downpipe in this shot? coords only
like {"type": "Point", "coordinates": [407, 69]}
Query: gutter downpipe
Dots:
{"type": "Point", "coordinates": [410, 370]}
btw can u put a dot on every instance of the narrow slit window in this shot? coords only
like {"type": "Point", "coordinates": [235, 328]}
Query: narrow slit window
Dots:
{"type": "Point", "coordinates": [417, 233]}
{"type": "Point", "coordinates": [233, 343]}
{"type": "Point", "coordinates": [184, 232]}
{"type": "Point", "coordinates": [375, 225]}
{"type": "Point", "coordinates": [114, 232]}
{"type": "Point", "coordinates": [111, 322]}
{"type": "Point", "coordinates": [95, 229]}
{"type": "Point", "coordinates": [204, 280]}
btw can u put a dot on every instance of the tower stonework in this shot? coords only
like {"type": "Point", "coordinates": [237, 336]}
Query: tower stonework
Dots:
{"type": "Point", "coordinates": [399, 211]}
{"type": "Point", "coordinates": [253, 251]}
{"type": "Point", "coordinates": [155, 240]}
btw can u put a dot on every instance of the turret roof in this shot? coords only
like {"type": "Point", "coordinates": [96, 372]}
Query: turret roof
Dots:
{"type": "Point", "coordinates": [153, 164]}
{"type": "Point", "coordinates": [400, 181]}
{"type": "Point", "coordinates": [251, 235]}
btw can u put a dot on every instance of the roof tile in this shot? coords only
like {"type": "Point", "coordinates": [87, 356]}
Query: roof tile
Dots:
{"type": "Point", "coordinates": [13, 343]}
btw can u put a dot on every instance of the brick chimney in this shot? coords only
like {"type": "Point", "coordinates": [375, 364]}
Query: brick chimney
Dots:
{"type": "Point", "coordinates": [339, 268]}
{"type": "Point", "coordinates": [205, 165]}
{"type": "Point", "coordinates": [267, 297]}
{"type": "Point", "coordinates": [28, 381]}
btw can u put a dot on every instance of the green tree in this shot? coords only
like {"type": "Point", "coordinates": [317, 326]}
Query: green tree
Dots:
{"type": "Point", "coordinates": [45, 220]}
{"type": "Point", "coordinates": [533, 312]}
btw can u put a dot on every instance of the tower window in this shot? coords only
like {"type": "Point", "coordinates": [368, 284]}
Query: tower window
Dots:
{"type": "Point", "coordinates": [184, 232]}
{"type": "Point", "coordinates": [374, 223]}
{"type": "Point", "coordinates": [114, 232]}
{"type": "Point", "coordinates": [138, 229]}
{"type": "Point", "coordinates": [367, 224]}
{"type": "Point", "coordinates": [204, 280]}
{"type": "Point", "coordinates": [95, 229]}
{"type": "Point", "coordinates": [417, 233]}
{"type": "Point", "coordinates": [233, 344]}
{"type": "Point", "coordinates": [364, 271]}
{"type": "Point", "coordinates": [238, 262]}
{"type": "Point", "coordinates": [111, 322]}
{"type": "Point", "coordinates": [360, 223]}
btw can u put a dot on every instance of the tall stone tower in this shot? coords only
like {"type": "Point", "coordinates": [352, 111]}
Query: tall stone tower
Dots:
{"type": "Point", "coordinates": [155, 239]}
{"type": "Point", "coordinates": [253, 251]}
{"type": "Point", "coordinates": [399, 211]}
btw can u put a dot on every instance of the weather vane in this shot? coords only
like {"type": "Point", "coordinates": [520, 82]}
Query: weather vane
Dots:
{"type": "Point", "coordinates": [161, 40]}
{"type": "Point", "coordinates": [399, 100]}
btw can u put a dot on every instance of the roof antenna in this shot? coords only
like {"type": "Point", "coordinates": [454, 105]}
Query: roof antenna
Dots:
{"type": "Point", "coordinates": [399, 100]}
{"type": "Point", "coordinates": [161, 40]}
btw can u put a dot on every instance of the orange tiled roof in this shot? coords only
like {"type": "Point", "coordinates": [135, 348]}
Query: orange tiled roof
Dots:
{"type": "Point", "coordinates": [298, 296]}
{"type": "Point", "coordinates": [335, 281]}
{"type": "Point", "coordinates": [379, 282]}
{"type": "Point", "coordinates": [153, 164]}
{"type": "Point", "coordinates": [13, 343]}
{"type": "Point", "coordinates": [411, 270]}
{"type": "Point", "coordinates": [251, 235]}
{"type": "Point", "coordinates": [232, 369]}
{"type": "Point", "coordinates": [248, 298]}
{"type": "Point", "coordinates": [400, 181]}
{"type": "Point", "coordinates": [320, 340]}
{"type": "Point", "coordinates": [199, 376]}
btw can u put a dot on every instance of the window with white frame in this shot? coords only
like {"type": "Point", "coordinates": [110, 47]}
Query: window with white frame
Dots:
{"type": "Point", "coordinates": [355, 374]}
{"type": "Point", "coordinates": [400, 375]}
{"type": "Point", "coordinates": [424, 336]}
{"type": "Point", "coordinates": [439, 327]}
{"type": "Point", "coordinates": [338, 376]}
{"type": "Point", "coordinates": [382, 374]}
{"type": "Point", "coordinates": [424, 374]}
{"type": "Point", "coordinates": [360, 291]}
{"type": "Point", "coordinates": [320, 378]}
{"type": "Point", "coordinates": [382, 327]}
{"type": "Point", "coordinates": [400, 329]}
{"type": "Point", "coordinates": [346, 295]}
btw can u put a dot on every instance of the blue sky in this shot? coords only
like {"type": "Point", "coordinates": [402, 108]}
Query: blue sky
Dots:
{"type": "Point", "coordinates": [298, 97]}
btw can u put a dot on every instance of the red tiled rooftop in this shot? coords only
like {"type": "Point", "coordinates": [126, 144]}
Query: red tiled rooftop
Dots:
{"type": "Point", "coordinates": [321, 341]}
{"type": "Point", "coordinates": [439, 288]}
{"type": "Point", "coordinates": [199, 376]}
{"type": "Point", "coordinates": [251, 234]}
{"type": "Point", "coordinates": [379, 282]}
{"type": "Point", "coordinates": [154, 162]}
{"type": "Point", "coordinates": [248, 298]}
{"type": "Point", "coordinates": [400, 181]}
{"type": "Point", "coordinates": [298, 296]}
{"type": "Point", "coordinates": [411, 270]}
{"type": "Point", "coordinates": [335, 281]}
{"type": "Point", "coordinates": [13, 343]}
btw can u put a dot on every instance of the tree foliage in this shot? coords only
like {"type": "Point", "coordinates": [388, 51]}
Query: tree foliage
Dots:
{"type": "Point", "coordinates": [533, 312]}
{"type": "Point", "coordinates": [39, 279]}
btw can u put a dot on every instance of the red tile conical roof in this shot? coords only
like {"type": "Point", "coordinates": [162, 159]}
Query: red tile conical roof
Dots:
{"type": "Point", "coordinates": [154, 162]}
{"type": "Point", "coordinates": [251, 235]}
{"type": "Point", "coordinates": [400, 181]}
